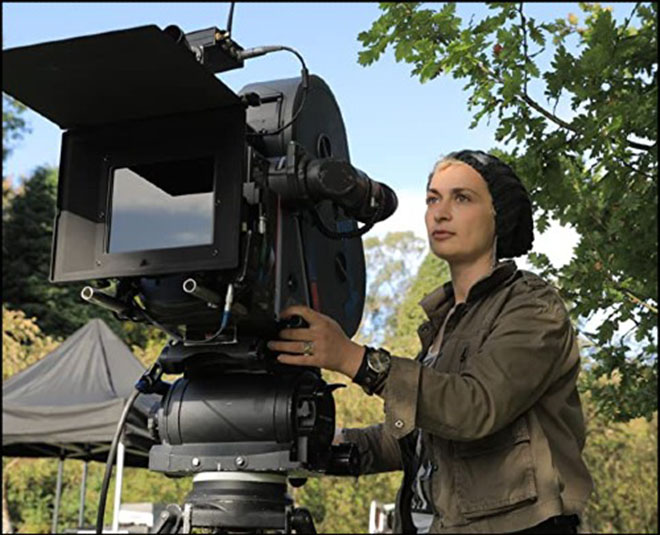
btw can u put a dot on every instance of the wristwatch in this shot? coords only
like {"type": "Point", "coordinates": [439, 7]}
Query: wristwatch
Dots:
{"type": "Point", "coordinates": [374, 369]}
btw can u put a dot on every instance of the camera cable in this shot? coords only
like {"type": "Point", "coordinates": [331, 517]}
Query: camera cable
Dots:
{"type": "Point", "coordinates": [110, 462]}
{"type": "Point", "coordinates": [181, 339]}
{"type": "Point", "coordinates": [260, 51]}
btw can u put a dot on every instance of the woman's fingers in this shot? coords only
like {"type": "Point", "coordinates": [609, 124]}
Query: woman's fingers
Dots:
{"type": "Point", "coordinates": [287, 347]}
{"type": "Point", "coordinates": [296, 360]}
{"type": "Point", "coordinates": [306, 313]}
{"type": "Point", "coordinates": [296, 334]}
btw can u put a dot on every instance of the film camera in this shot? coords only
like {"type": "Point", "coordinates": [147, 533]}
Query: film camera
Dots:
{"type": "Point", "coordinates": [208, 212]}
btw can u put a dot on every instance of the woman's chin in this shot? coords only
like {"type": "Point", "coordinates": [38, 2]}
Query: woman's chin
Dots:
{"type": "Point", "coordinates": [452, 257]}
{"type": "Point", "coordinates": [444, 253]}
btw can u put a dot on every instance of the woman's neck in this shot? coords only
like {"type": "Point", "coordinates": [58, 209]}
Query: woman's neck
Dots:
{"type": "Point", "coordinates": [464, 275]}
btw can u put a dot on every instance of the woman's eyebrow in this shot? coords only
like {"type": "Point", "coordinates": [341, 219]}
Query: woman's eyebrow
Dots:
{"type": "Point", "coordinates": [452, 190]}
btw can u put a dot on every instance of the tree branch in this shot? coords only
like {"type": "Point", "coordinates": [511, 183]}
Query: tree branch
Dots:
{"type": "Point", "coordinates": [617, 286]}
{"type": "Point", "coordinates": [545, 113]}
{"type": "Point", "coordinates": [627, 21]}
{"type": "Point", "coordinates": [528, 100]}
{"type": "Point", "coordinates": [629, 166]}
{"type": "Point", "coordinates": [525, 50]}
{"type": "Point", "coordinates": [632, 297]}
{"type": "Point", "coordinates": [640, 146]}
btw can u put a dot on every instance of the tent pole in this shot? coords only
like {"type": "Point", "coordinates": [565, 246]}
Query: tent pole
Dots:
{"type": "Point", "coordinates": [118, 481]}
{"type": "Point", "coordinates": [58, 493]}
{"type": "Point", "coordinates": [83, 488]}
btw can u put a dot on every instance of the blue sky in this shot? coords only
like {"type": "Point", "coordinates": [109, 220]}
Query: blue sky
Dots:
{"type": "Point", "coordinates": [396, 126]}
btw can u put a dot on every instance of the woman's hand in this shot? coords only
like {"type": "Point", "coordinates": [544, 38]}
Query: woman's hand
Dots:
{"type": "Point", "coordinates": [323, 344]}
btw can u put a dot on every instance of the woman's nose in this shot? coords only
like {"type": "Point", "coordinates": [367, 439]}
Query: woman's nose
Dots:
{"type": "Point", "coordinates": [441, 211]}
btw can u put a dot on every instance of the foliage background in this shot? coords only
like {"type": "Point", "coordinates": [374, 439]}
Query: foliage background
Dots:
{"type": "Point", "coordinates": [622, 457]}
{"type": "Point", "coordinates": [575, 103]}
{"type": "Point", "coordinates": [595, 168]}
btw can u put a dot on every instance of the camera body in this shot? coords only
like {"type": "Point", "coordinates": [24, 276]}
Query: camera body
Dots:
{"type": "Point", "coordinates": [209, 208]}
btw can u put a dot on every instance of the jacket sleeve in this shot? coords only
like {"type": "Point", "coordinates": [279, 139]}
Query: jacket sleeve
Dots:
{"type": "Point", "coordinates": [379, 450]}
{"type": "Point", "coordinates": [530, 345]}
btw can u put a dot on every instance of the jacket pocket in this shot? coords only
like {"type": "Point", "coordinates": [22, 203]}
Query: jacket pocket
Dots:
{"type": "Point", "coordinates": [495, 474]}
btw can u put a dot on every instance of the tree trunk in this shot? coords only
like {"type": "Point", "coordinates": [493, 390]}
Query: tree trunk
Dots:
{"type": "Point", "coordinates": [6, 520]}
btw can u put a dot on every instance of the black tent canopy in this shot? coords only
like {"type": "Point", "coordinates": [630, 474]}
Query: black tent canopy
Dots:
{"type": "Point", "coordinates": [68, 404]}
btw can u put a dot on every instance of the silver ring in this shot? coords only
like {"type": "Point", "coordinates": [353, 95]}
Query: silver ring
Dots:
{"type": "Point", "coordinates": [308, 348]}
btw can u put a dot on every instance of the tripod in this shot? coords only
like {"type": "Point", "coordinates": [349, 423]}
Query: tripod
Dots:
{"type": "Point", "coordinates": [237, 502]}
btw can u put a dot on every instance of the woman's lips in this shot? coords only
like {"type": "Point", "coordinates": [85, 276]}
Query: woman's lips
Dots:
{"type": "Point", "coordinates": [440, 235]}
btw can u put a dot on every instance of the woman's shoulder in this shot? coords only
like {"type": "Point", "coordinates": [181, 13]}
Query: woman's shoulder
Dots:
{"type": "Point", "coordinates": [528, 285]}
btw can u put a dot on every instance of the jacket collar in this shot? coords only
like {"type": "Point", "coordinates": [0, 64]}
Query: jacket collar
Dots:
{"type": "Point", "coordinates": [437, 303]}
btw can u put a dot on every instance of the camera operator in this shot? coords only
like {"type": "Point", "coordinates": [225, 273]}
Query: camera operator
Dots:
{"type": "Point", "coordinates": [486, 422]}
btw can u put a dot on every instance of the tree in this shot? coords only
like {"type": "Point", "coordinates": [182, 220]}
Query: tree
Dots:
{"type": "Point", "coordinates": [27, 235]}
{"type": "Point", "coordinates": [618, 455]}
{"type": "Point", "coordinates": [23, 344]}
{"type": "Point", "coordinates": [14, 126]}
{"type": "Point", "coordinates": [8, 195]}
{"type": "Point", "coordinates": [391, 262]}
{"type": "Point", "coordinates": [432, 273]}
{"type": "Point", "coordinates": [594, 168]}
{"type": "Point", "coordinates": [622, 459]}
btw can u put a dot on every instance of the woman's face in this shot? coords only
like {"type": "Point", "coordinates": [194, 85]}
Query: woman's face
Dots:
{"type": "Point", "coordinates": [459, 215]}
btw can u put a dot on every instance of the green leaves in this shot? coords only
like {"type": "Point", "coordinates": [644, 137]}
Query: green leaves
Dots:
{"type": "Point", "coordinates": [390, 260]}
{"type": "Point", "coordinates": [27, 234]}
{"type": "Point", "coordinates": [591, 165]}
{"type": "Point", "coordinates": [14, 126]}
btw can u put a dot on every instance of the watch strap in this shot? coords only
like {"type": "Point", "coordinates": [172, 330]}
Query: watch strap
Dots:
{"type": "Point", "coordinates": [363, 369]}
{"type": "Point", "coordinates": [370, 381]}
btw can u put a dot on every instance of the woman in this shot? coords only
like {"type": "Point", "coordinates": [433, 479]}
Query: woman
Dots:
{"type": "Point", "coordinates": [486, 422]}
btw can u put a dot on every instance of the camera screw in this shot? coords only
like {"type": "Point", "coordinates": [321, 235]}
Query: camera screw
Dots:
{"type": "Point", "coordinates": [241, 462]}
{"type": "Point", "coordinates": [196, 461]}
{"type": "Point", "coordinates": [214, 252]}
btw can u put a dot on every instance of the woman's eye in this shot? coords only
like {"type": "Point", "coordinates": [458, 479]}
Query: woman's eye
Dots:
{"type": "Point", "coordinates": [462, 198]}
{"type": "Point", "coordinates": [431, 200]}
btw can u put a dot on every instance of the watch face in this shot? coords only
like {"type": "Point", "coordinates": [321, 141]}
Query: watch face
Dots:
{"type": "Point", "coordinates": [378, 361]}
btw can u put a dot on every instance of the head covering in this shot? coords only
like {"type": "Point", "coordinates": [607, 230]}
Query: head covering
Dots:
{"type": "Point", "coordinates": [514, 226]}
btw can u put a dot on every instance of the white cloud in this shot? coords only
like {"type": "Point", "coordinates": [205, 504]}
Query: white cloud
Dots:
{"type": "Point", "coordinates": [408, 216]}
{"type": "Point", "coordinates": [557, 243]}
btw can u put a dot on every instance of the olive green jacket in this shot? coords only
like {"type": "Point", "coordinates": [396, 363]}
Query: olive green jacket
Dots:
{"type": "Point", "coordinates": [499, 409]}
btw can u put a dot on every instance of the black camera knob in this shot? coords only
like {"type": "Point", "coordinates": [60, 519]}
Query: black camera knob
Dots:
{"type": "Point", "coordinates": [297, 482]}
{"type": "Point", "coordinates": [292, 322]}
